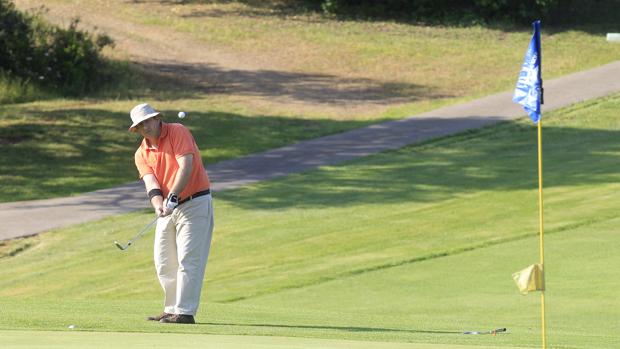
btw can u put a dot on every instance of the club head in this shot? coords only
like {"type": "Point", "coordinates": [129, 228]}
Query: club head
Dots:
{"type": "Point", "coordinates": [120, 247]}
{"type": "Point", "coordinates": [130, 242]}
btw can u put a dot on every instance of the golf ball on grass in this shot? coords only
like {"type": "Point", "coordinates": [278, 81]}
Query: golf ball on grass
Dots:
{"type": "Point", "coordinates": [71, 327]}
{"type": "Point", "coordinates": [182, 115]}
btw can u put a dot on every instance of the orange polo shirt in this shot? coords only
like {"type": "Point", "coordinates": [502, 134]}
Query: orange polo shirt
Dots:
{"type": "Point", "coordinates": [175, 140]}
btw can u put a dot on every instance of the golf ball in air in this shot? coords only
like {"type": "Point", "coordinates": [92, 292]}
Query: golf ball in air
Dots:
{"type": "Point", "coordinates": [181, 114]}
{"type": "Point", "coordinates": [71, 326]}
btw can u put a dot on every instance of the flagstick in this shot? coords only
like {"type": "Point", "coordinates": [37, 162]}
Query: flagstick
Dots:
{"type": "Point", "coordinates": [542, 234]}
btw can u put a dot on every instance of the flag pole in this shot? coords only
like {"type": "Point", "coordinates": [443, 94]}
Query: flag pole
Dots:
{"type": "Point", "coordinates": [529, 93]}
{"type": "Point", "coordinates": [540, 187]}
{"type": "Point", "coordinates": [542, 232]}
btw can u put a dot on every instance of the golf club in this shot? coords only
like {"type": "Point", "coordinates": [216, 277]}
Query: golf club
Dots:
{"type": "Point", "coordinates": [497, 330]}
{"type": "Point", "coordinates": [123, 248]}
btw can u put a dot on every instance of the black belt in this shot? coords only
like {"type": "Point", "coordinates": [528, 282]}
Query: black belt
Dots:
{"type": "Point", "coordinates": [195, 195]}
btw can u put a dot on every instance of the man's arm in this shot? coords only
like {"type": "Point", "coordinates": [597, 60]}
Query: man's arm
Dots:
{"type": "Point", "coordinates": [185, 170]}
{"type": "Point", "coordinates": [151, 184]}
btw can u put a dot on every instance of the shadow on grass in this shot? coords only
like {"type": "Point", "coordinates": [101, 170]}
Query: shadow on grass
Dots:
{"type": "Point", "coordinates": [173, 80]}
{"type": "Point", "coordinates": [597, 17]}
{"type": "Point", "coordinates": [63, 152]}
{"type": "Point", "coordinates": [495, 158]}
{"type": "Point", "coordinates": [335, 328]}
{"type": "Point", "coordinates": [69, 151]}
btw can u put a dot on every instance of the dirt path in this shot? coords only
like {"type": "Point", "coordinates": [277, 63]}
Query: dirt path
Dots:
{"type": "Point", "coordinates": [202, 66]}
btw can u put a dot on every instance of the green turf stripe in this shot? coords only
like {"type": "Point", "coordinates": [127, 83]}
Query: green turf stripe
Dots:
{"type": "Point", "coordinates": [115, 340]}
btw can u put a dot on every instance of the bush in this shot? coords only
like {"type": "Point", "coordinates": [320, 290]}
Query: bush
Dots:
{"type": "Point", "coordinates": [67, 60]}
{"type": "Point", "coordinates": [477, 11]}
{"type": "Point", "coordinates": [440, 10]}
{"type": "Point", "coordinates": [16, 40]}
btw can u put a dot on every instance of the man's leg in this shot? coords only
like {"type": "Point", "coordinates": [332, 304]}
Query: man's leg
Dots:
{"type": "Point", "coordinates": [166, 262]}
{"type": "Point", "coordinates": [194, 231]}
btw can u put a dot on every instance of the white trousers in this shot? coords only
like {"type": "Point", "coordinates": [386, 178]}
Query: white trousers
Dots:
{"type": "Point", "coordinates": [182, 244]}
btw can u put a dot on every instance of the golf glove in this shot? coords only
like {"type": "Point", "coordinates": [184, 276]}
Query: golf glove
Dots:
{"type": "Point", "coordinates": [172, 201]}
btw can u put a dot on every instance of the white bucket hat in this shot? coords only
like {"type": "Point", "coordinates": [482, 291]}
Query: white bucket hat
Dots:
{"type": "Point", "coordinates": [140, 113]}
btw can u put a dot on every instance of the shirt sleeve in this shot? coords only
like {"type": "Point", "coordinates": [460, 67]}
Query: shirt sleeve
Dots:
{"type": "Point", "coordinates": [141, 164]}
{"type": "Point", "coordinates": [182, 141]}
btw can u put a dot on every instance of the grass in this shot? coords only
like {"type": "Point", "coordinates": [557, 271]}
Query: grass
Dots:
{"type": "Point", "coordinates": [80, 146]}
{"type": "Point", "coordinates": [328, 76]}
{"type": "Point", "coordinates": [415, 245]}
{"type": "Point", "coordinates": [16, 339]}
{"type": "Point", "coordinates": [15, 90]}
{"type": "Point", "coordinates": [398, 63]}
{"type": "Point", "coordinates": [416, 59]}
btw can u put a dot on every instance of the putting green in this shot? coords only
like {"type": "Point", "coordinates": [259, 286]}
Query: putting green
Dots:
{"type": "Point", "coordinates": [102, 340]}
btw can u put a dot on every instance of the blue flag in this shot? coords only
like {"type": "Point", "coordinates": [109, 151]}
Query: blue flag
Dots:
{"type": "Point", "coordinates": [528, 92]}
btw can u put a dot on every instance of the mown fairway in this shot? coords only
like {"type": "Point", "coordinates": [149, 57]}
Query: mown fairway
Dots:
{"type": "Point", "coordinates": [253, 77]}
{"type": "Point", "coordinates": [415, 246]}
{"type": "Point", "coordinates": [105, 340]}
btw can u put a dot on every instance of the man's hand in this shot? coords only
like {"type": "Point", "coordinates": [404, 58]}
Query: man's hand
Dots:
{"type": "Point", "coordinates": [155, 194]}
{"type": "Point", "coordinates": [159, 210]}
{"type": "Point", "coordinates": [172, 201]}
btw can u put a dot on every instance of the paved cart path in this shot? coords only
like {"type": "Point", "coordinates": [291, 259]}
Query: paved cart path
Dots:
{"type": "Point", "coordinates": [32, 217]}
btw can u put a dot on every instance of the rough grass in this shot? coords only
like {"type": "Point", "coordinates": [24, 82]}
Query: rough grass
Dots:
{"type": "Point", "coordinates": [15, 90]}
{"type": "Point", "coordinates": [368, 62]}
{"type": "Point", "coordinates": [450, 61]}
{"type": "Point", "coordinates": [415, 245]}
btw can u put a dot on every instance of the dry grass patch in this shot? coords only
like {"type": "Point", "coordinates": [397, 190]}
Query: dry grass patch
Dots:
{"type": "Point", "coordinates": [263, 55]}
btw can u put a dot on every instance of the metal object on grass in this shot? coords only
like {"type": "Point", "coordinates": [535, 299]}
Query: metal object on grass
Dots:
{"type": "Point", "coordinates": [493, 332]}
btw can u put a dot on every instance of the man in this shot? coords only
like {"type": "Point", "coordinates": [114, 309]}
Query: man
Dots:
{"type": "Point", "coordinates": [170, 165]}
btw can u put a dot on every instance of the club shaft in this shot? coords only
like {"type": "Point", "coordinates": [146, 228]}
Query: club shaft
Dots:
{"type": "Point", "coordinates": [142, 232]}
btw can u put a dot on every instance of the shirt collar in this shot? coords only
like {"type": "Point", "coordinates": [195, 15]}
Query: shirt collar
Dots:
{"type": "Point", "coordinates": [162, 134]}
{"type": "Point", "coordinates": [164, 130]}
